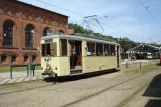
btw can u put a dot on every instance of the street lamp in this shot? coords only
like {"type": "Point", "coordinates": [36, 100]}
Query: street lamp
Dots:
{"type": "Point", "coordinates": [31, 44]}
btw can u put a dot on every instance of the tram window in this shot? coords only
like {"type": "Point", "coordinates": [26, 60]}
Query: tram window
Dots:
{"type": "Point", "coordinates": [99, 49]}
{"type": "Point", "coordinates": [112, 48]}
{"type": "Point", "coordinates": [91, 49]}
{"type": "Point", "coordinates": [64, 47]}
{"type": "Point", "coordinates": [106, 50]}
{"type": "Point", "coordinates": [49, 49]}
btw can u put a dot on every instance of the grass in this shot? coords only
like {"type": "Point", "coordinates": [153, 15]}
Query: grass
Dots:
{"type": "Point", "coordinates": [14, 69]}
{"type": "Point", "coordinates": [143, 69]}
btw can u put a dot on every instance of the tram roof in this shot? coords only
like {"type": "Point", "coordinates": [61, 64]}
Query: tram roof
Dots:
{"type": "Point", "coordinates": [79, 38]}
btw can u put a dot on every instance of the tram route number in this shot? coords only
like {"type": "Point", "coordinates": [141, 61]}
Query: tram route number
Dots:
{"type": "Point", "coordinates": [48, 40]}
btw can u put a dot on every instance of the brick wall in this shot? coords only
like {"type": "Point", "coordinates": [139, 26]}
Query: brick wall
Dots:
{"type": "Point", "coordinates": [21, 15]}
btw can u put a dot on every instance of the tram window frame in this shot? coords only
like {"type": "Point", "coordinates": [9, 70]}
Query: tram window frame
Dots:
{"type": "Point", "coordinates": [99, 49]}
{"type": "Point", "coordinates": [64, 47]}
{"type": "Point", "coordinates": [112, 50]}
{"type": "Point", "coordinates": [106, 46]}
{"type": "Point", "coordinates": [91, 48]}
{"type": "Point", "coordinates": [49, 49]}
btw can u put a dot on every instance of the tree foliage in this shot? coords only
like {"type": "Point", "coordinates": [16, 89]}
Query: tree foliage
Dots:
{"type": "Point", "coordinates": [125, 43]}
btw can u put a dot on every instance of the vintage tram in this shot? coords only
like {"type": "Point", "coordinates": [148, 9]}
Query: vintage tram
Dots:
{"type": "Point", "coordinates": [63, 55]}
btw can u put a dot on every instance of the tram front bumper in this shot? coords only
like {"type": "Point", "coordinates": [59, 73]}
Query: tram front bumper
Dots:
{"type": "Point", "coordinates": [50, 73]}
{"type": "Point", "coordinates": [47, 73]}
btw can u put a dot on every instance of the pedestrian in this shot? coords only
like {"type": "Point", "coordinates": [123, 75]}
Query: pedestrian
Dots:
{"type": "Point", "coordinates": [126, 61]}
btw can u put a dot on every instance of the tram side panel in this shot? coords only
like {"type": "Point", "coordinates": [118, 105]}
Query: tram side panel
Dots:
{"type": "Point", "coordinates": [93, 63]}
{"type": "Point", "coordinates": [63, 66]}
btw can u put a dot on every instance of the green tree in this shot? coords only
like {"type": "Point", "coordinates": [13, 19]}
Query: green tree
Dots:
{"type": "Point", "coordinates": [77, 28]}
{"type": "Point", "coordinates": [124, 42]}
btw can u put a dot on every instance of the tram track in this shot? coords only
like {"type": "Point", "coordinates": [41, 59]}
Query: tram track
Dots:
{"type": "Point", "coordinates": [87, 97]}
{"type": "Point", "coordinates": [106, 89]}
{"type": "Point", "coordinates": [126, 100]}
{"type": "Point", "coordinates": [21, 90]}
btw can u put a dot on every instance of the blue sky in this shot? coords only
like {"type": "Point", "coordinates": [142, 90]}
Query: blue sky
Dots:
{"type": "Point", "coordinates": [137, 25]}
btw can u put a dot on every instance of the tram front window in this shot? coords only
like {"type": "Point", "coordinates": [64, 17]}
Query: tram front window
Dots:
{"type": "Point", "coordinates": [49, 49]}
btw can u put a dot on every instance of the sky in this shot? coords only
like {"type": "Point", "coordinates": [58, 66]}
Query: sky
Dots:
{"type": "Point", "coordinates": [118, 18]}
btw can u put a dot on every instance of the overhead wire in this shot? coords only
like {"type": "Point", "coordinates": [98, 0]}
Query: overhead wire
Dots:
{"type": "Point", "coordinates": [146, 7]}
{"type": "Point", "coordinates": [149, 12]}
{"type": "Point", "coordinates": [135, 9]}
{"type": "Point", "coordinates": [106, 15]}
{"type": "Point", "coordinates": [60, 8]}
{"type": "Point", "coordinates": [132, 35]}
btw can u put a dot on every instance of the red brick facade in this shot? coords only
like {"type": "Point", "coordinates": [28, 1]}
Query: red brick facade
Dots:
{"type": "Point", "coordinates": [21, 15]}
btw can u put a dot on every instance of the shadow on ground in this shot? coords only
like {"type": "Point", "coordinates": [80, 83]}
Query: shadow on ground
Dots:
{"type": "Point", "coordinates": [154, 92]}
{"type": "Point", "coordinates": [158, 64]}
{"type": "Point", "coordinates": [78, 77]}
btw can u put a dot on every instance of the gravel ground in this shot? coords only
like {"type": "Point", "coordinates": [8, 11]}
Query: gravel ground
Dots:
{"type": "Point", "coordinates": [108, 90]}
{"type": "Point", "coordinates": [150, 96]}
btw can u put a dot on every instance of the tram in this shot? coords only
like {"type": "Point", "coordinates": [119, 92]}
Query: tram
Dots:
{"type": "Point", "coordinates": [63, 55]}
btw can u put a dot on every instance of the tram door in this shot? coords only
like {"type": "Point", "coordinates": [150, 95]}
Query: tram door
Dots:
{"type": "Point", "coordinates": [118, 55]}
{"type": "Point", "coordinates": [76, 55]}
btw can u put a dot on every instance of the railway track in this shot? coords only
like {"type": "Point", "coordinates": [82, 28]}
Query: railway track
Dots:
{"type": "Point", "coordinates": [84, 98]}
{"type": "Point", "coordinates": [104, 90]}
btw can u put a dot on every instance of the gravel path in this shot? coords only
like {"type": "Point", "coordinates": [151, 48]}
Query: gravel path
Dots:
{"type": "Point", "coordinates": [108, 90]}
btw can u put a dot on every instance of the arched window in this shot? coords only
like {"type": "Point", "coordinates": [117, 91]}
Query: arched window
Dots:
{"type": "Point", "coordinates": [26, 59]}
{"type": "Point", "coordinates": [3, 59]}
{"type": "Point", "coordinates": [33, 59]}
{"type": "Point", "coordinates": [29, 30]}
{"type": "Point", "coordinates": [8, 33]}
{"type": "Point", "coordinates": [13, 59]}
{"type": "Point", "coordinates": [46, 31]}
{"type": "Point", "coordinates": [61, 31]}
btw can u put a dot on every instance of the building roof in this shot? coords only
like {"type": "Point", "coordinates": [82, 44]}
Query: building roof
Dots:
{"type": "Point", "coordinates": [144, 48]}
{"type": "Point", "coordinates": [41, 8]}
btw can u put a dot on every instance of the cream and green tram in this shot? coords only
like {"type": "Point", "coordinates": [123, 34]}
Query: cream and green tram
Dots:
{"type": "Point", "coordinates": [64, 55]}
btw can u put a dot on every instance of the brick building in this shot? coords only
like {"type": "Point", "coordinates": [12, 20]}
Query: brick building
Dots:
{"type": "Point", "coordinates": [21, 23]}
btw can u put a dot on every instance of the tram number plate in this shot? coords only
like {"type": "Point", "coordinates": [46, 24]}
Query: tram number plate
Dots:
{"type": "Point", "coordinates": [49, 41]}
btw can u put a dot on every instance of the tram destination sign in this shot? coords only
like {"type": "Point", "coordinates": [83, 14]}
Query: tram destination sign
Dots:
{"type": "Point", "coordinates": [49, 41]}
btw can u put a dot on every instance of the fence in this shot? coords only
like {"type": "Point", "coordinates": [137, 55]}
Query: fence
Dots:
{"type": "Point", "coordinates": [138, 64]}
{"type": "Point", "coordinates": [32, 69]}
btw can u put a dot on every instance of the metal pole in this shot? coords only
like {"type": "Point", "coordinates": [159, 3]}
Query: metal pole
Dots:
{"type": "Point", "coordinates": [27, 70]}
{"type": "Point", "coordinates": [33, 72]}
{"type": "Point", "coordinates": [30, 56]}
{"type": "Point", "coordinates": [10, 72]}
{"type": "Point", "coordinates": [126, 65]}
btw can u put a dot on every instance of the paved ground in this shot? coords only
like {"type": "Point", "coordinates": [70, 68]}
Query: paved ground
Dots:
{"type": "Point", "coordinates": [18, 74]}
{"type": "Point", "coordinates": [110, 90]}
{"type": "Point", "coordinates": [22, 76]}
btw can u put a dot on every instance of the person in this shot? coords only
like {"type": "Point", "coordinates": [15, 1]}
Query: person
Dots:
{"type": "Point", "coordinates": [135, 57]}
{"type": "Point", "coordinates": [126, 61]}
